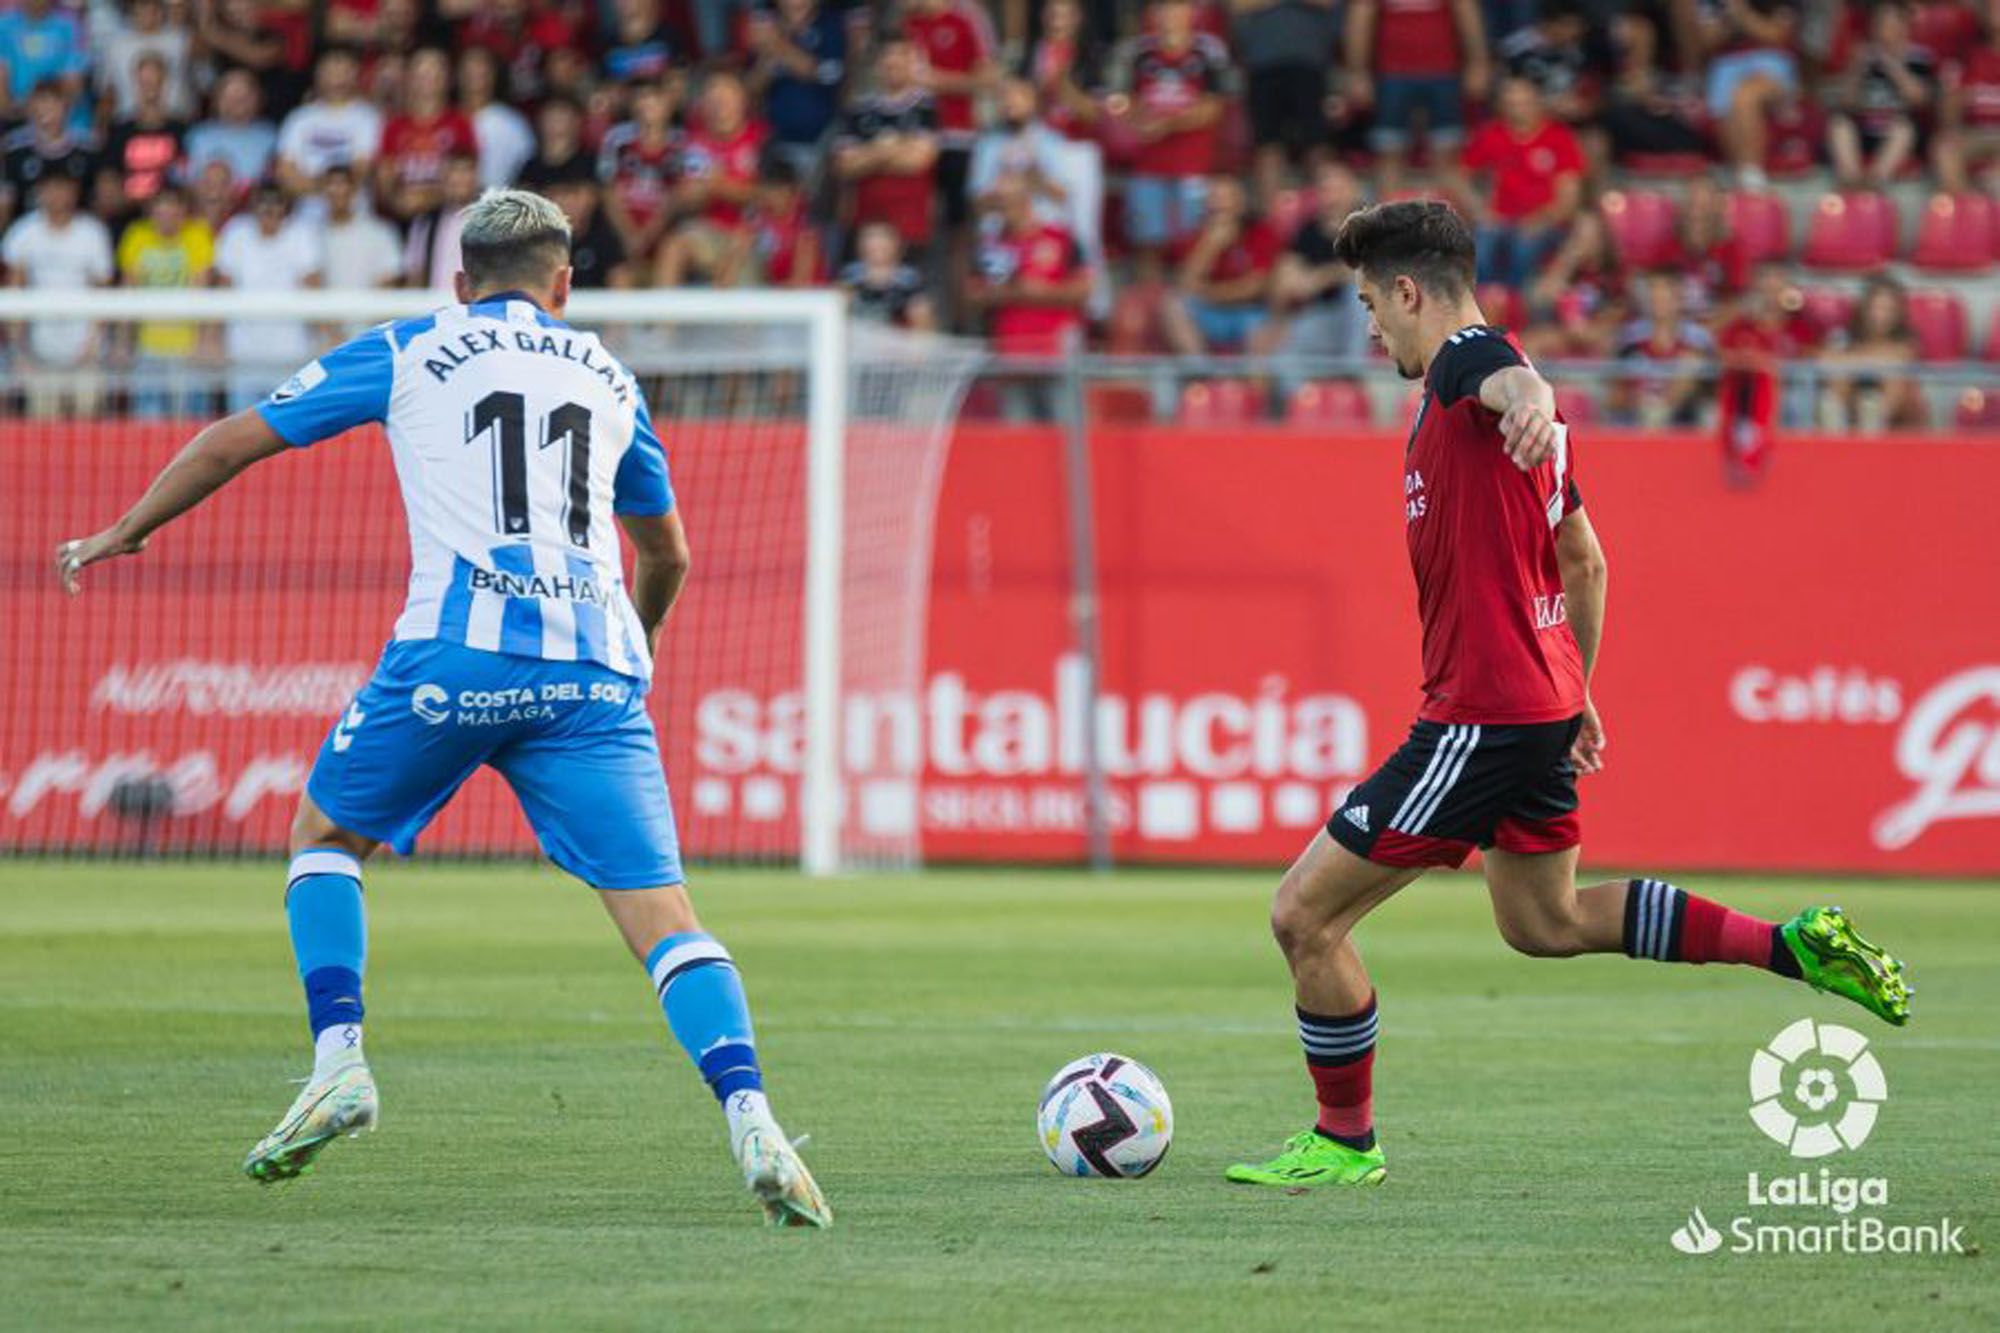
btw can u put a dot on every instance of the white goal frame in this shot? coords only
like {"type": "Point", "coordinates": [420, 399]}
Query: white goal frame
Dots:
{"type": "Point", "coordinates": [821, 313]}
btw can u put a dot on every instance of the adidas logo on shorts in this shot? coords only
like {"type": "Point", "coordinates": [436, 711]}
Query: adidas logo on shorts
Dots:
{"type": "Point", "coordinates": [1356, 815]}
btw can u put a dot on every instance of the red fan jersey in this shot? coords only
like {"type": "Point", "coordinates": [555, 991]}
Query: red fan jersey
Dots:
{"type": "Point", "coordinates": [1525, 167]}
{"type": "Point", "coordinates": [1415, 39]}
{"type": "Point", "coordinates": [418, 148]}
{"type": "Point", "coordinates": [1046, 253]}
{"type": "Point", "coordinates": [1482, 536]}
{"type": "Point", "coordinates": [954, 40]}
{"type": "Point", "coordinates": [705, 156]}
{"type": "Point", "coordinates": [1979, 81]}
{"type": "Point", "coordinates": [639, 173]}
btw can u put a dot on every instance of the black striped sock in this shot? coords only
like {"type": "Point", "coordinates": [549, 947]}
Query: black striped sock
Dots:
{"type": "Point", "coordinates": [1654, 913]}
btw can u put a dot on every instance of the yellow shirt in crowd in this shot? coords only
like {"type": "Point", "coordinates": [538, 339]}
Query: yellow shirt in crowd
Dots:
{"type": "Point", "coordinates": [148, 259]}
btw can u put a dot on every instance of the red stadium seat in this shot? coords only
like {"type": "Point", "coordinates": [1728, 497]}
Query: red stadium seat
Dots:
{"type": "Point", "coordinates": [1117, 402]}
{"type": "Point", "coordinates": [1577, 405]}
{"type": "Point", "coordinates": [1939, 321]}
{"type": "Point", "coordinates": [1642, 226]}
{"type": "Point", "coordinates": [982, 402]}
{"type": "Point", "coordinates": [1330, 403]}
{"type": "Point", "coordinates": [1220, 403]}
{"type": "Point", "coordinates": [1956, 234]}
{"type": "Point", "coordinates": [1760, 221]}
{"type": "Point", "coordinates": [1827, 310]}
{"type": "Point", "coordinates": [1851, 232]}
{"type": "Point", "coordinates": [1978, 410]}
{"type": "Point", "coordinates": [1675, 166]}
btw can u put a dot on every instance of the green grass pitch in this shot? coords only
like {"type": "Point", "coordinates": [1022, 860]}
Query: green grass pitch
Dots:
{"type": "Point", "coordinates": [547, 1160]}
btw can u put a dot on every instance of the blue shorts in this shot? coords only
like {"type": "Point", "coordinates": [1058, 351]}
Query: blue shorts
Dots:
{"type": "Point", "coordinates": [1161, 209]}
{"type": "Point", "coordinates": [1398, 98]}
{"type": "Point", "coordinates": [571, 738]}
{"type": "Point", "coordinates": [1728, 73]}
{"type": "Point", "coordinates": [1225, 326]}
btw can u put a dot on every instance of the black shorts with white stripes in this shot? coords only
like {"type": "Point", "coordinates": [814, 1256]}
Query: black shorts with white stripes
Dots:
{"type": "Point", "coordinates": [1455, 786]}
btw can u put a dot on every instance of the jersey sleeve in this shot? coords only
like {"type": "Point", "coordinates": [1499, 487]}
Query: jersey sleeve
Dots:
{"type": "Point", "coordinates": [347, 387]}
{"type": "Point", "coordinates": [1465, 361]}
{"type": "Point", "coordinates": [642, 488]}
{"type": "Point", "coordinates": [1572, 495]}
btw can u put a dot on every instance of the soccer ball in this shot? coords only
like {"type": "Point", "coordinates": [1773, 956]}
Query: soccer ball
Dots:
{"type": "Point", "coordinates": [1105, 1115]}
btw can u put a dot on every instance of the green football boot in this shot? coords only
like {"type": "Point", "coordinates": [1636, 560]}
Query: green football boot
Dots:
{"type": "Point", "coordinates": [342, 1103]}
{"type": "Point", "coordinates": [1312, 1159]}
{"type": "Point", "coordinates": [1834, 958]}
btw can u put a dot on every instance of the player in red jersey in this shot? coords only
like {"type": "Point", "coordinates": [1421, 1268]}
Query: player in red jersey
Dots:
{"type": "Point", "coordinates": [1510, 592]}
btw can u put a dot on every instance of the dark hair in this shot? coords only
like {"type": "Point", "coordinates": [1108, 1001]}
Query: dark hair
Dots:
{"type": "Point", "coordinates": [1857, 323]}
{"type": "Point", "coordinates": [1423, 239]}
{"type": "Point", "coordinates": [777, 169]}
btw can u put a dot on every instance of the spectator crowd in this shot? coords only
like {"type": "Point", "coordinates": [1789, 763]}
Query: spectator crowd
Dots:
{"type": "Point", "coordinates": [1159, 176]}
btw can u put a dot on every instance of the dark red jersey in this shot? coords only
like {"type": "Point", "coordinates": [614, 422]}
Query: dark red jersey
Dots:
{"type": "Point", "coordinates": [1165, 83]}
{"type": "Point", "coordinates": [903, 201]}
{"type": "Point", "coordinates": [1482, 533]}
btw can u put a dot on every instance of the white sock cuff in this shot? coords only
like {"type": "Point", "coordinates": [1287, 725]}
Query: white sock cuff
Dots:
{"type": "Point", "coordinates": [683, 956]}
{"type": "Point", "coordinates": [322, 861]}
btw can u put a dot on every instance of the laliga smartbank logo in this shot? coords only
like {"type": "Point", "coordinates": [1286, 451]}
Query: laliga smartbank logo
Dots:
{"type": "Point", "coordinates": [1816, 1089]}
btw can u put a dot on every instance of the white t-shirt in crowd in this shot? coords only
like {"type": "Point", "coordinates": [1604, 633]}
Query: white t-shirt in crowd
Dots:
{"type": "Point", "coordinates": [259, 263]}
{"type": "Point", "coordinates": [319, 135]}
{"type": "Point", "coordinates": [65, 258]}
{"type": "Point", "coordinates": [505, 143]}
{"type": "Point", "coordinates": [360, 252]}
{"type": "Point", "coordinates": [117, 62]}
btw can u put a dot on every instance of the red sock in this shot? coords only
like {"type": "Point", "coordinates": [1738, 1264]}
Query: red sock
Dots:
{"type": "Point", "coordinates": [1340, 1056]}
{"type": "Point", "coordinates": [1673, 926]}
{"type": "Point", "coordinates": [1346, 1097]}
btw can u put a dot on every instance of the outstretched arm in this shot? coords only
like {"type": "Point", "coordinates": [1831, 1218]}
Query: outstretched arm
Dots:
{"type": "Point", "coordinates": [661, 567]}
{"type": "Point", "coordinates": [199, 470]}
{"type": "Point", "coordinates": [1527, 408]}
{"type": "Point", "coordinates": [1584, 576]}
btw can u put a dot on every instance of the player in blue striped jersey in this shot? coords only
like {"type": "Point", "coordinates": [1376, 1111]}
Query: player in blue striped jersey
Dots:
{"type": "Point", "coordinates": [522, 448]}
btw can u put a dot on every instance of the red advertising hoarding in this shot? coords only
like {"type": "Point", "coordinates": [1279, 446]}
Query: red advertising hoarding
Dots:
{"type": "Point", "coordinates": [1801, 676]}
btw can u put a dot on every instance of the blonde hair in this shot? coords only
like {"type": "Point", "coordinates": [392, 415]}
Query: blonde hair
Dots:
{"type": "Point", "coordinates": [512, 238]}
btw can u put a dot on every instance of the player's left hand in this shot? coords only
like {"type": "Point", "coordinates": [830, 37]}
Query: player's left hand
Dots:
{"type": "Point", "coordinates": [73, 557]}
{"type": "Point", "coordinates": [1588, 752]}
{"type": "Point", "coordinates": [1530, 435]}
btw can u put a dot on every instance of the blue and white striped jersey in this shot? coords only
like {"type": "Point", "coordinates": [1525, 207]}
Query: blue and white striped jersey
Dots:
{"type": "Point", "coordinates": [516, 439]}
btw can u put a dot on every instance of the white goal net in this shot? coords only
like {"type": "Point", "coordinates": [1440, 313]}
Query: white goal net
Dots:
{"type": "Point", "coordinates": [177, 705]}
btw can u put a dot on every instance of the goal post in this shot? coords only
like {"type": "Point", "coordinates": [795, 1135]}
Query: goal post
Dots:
{"type": "Point", "coordinates": [808, 452]}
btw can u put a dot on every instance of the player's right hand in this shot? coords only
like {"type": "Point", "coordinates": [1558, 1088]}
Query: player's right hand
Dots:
{"type": "Point", "coordinates": [73, 557]}
{"type": "Point", "coordinates": [1587, 755]}
{"type": "Point", "coordinates": [1530, 435]}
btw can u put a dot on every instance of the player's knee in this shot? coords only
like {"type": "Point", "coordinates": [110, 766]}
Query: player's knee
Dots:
{"type": "Point", "coordinates": [1543, 936]}
{"type": "Point", "coordinates": [1300, 930]}
{"type": "Point", "coordinates": [311, 828]}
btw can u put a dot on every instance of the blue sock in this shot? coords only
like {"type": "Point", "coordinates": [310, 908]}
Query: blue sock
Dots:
{"type": "Point", "coordinates": [329, 934]}
{"type": "Point", "coordinates": [703, 998]}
